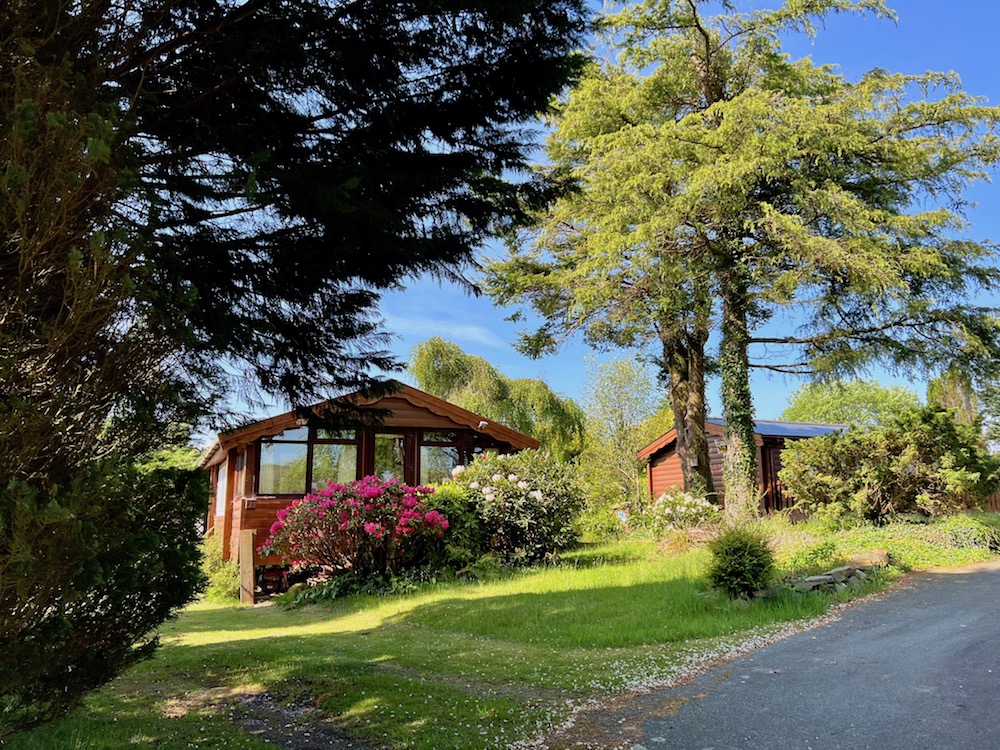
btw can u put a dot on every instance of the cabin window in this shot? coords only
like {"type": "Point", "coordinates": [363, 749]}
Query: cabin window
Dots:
{"type": "Point", "coordinates": [240, 474]}
{"type": "Point", "coordinates": [334, 458]}
{"type": "Point", "coordinates": [440, 452]}
{"type": "Point", "coordinates": [283, 466]}
{"type": "Point", "coordinates": [390, 455]}
{"type": "Point", "coordinates": [294, 434]}
{"type": "Point", "coordinates": [221, 475]}
{"type": "Point", "coordinates": [342, 436]}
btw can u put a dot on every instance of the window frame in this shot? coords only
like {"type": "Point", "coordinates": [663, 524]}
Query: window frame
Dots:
{"type": "Point", "coordinates": [312, 438]}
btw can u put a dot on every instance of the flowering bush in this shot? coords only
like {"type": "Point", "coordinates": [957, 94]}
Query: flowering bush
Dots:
{"type": "Point", "coordinates": [526, 503]}
{"type": "Point", "coordinates": [366, 527]}
{"type": "Point", "coordinates": [677, 510]}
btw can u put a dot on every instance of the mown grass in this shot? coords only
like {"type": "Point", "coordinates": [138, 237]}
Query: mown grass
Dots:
{"type": "Point", "coordinates": [462, 665]}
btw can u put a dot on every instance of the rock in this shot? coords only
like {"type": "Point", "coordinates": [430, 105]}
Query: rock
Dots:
{"type": "Point", "coordinates": [854, 582]}
{"type": "Point", "coordinates": [860, 575]}
{"type": "Point", "coordinates": [841, 586]}
{"type": "Point", "coordinates": [820, 580]}
{"type": "Point", "coordinates": [876, 558]}
{"type": "Point", "coordinates": [844, 570]}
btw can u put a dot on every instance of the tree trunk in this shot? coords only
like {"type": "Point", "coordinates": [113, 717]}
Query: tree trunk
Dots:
{"type": "Point", "coordinates": [684, 361]}
{"type": "Point", "coordinates": [740, 465]}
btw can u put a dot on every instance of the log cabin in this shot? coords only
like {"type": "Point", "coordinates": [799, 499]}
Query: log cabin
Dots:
{"type": "Point", "coordinates": [259, 468]}
{"type": "Point", "coordinates": [663, 465]}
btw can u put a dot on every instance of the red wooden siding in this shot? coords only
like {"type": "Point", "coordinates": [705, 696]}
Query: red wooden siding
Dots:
{"type": "Point", "coordinates": [664, 471]}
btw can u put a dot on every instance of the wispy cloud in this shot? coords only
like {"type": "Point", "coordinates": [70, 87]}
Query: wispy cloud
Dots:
{"type": "Point", "coordinates": [423, 328]}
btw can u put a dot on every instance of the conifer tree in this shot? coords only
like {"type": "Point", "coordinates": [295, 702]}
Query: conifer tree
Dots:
{"type": "Point", "coordinates": [718, 181]}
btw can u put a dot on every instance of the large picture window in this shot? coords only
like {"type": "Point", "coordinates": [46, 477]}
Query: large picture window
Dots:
{"type": "Point", "coordinates": [283, 468]}
{"type": "Point", "coordinates": [306, 459]}
{"type": "Point", "coordinates": [440, 452]}
{"type": "Point", "coordinates": [390, 455]}
{"type": "Point", "coordinates": [334, 458]}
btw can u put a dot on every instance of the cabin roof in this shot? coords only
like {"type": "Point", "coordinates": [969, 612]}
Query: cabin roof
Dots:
{"type": "Point", "coordinates": [418, 398]}
{"type": "Point", "coordinates": [763, 428]}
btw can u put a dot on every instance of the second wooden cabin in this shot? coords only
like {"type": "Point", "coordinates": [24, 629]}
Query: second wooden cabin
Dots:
{"type": "Point", "coordinates": [663, 464]}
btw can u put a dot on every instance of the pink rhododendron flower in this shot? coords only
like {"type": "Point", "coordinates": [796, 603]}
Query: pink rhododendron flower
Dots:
{"type": "Point", "coordinates": [368, 526]}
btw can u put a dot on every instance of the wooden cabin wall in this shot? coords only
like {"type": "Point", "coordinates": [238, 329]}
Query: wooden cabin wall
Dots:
{"type": "Point", "coordinates": [664, 469]}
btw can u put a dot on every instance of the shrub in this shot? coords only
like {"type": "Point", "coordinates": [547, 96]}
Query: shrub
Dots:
{"type": "Point", "coordinates": [923, 462]}
{"type": "Point", "coordinates": [368, 527]}
{"type": "Point", "coordinates": [676, 510]}
{"type": "Point", "coordinates": [223, 576]}
{"type": "Point", "coordinates": [963, 532]}
{"type": "Point", "coordinates": [91, 569]}
{"type": "Point", "coordinates": [742, 562]}
{"type": "Point", "coordinates": [527, 503]}
{"type": "Point", "coordinates": [464, 541]}
{"type": "Point", "coordinates": [600, 522]}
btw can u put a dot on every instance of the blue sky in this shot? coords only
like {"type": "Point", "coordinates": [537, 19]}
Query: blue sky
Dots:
{"type": "Point", "coordinates": [930, 35]}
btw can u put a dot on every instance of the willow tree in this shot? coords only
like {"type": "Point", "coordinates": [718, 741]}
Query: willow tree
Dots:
{"type": "Point", "coordinates": [528, 405]}
{"type": "Point", "coordinates": [719, 181]}
{"type": "Point", "coordinates": [953, 390]}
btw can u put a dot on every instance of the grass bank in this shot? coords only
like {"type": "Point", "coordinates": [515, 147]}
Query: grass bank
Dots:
{"type": "Point", "coordinates": [461, 665]}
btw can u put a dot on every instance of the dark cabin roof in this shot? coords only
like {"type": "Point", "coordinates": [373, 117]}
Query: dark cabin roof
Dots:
{"type": "Point", "coordinates": [771, 428]}
{"type": "Point", "coordinates": [762, 427]}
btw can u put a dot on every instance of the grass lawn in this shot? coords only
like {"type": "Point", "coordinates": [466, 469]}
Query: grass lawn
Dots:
{"type": "Point", "coordinates": [463, 665]}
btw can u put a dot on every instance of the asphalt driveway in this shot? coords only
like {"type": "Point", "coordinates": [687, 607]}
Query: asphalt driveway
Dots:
{"type": "Point", "coordinates": [918, 667]}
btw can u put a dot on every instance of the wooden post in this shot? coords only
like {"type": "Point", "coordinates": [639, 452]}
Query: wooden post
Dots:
{"type": "Point", "coordinates": [248, 584]}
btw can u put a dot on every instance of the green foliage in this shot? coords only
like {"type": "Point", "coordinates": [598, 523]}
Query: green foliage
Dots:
{"type": "Point", "coordinates": [953, 540]}
{"type": "Point", "coordinates": [953, 390]}
{"type": "Point", "coordinates": [922, 462]}
{"type": "Point", "coordinates": [964, 532]}
{"type": "Point", "coordinates": [742, 562]}
{"type": "Point", "coordinates": [328, 588]}
{"type": "Point", "coordinates": [676, 510]}
{"type": "Point", "coordinates": [720, 181]}
{"type": "Point", "coordinates": [88, 573]}
{"type": "Point", "coordinates": [527, 405]}
{"type": "Point", "coordinates": [625, 411]}
{"type": "Point", "coordinates": [599, 522]}
{"type": "Point", "coordinates": [183, 457]}
{"type": "Point", "coordinates": [167, 211]}
{"type": "Point", "coordinates": [989, 398]}
{"type": "Point", "coordinates": [852, 402]}
{"type": "Point", "coordinates": [527, 503]}
{"type": "Point", "coordinates": [463, 543]}
{"type": "Point", "coordinates": [812, 559]}
{"type": "Point", "coordinates": [222, 576]}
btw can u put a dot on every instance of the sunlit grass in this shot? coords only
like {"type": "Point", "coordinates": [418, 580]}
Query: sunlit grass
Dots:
{"type": "Point", "coordinates": [461, 665]}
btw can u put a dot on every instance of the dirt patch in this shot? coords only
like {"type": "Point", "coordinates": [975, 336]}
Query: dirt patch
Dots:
{"type": "Point", "coordinates": [211, 699]}
{"type": "Point", "coordinates": [298, 725]}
